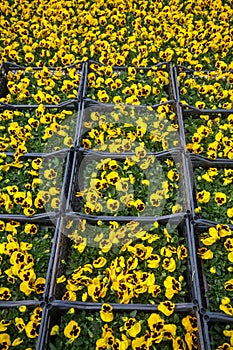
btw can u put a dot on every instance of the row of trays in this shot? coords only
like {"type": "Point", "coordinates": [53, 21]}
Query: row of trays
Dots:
{"type": "Point", "coordinates": [58, 325]}
{"type": "Point", "coordinates": [101, 184]}
{"type": "Point", "coordinates": [53, 320]}
{"type": "Point", "coordinates": [65, 242]}
{"type": "Point", "coordinates": [196, 91]}
{"type": "Point", "coordinates": [72, 267]}
{"type": "Point", "coordinates": [72, 239]}
{"type": "Point", "coordinates": [113, 128]}
{"type": "Point", "coordinates": [54, 81]}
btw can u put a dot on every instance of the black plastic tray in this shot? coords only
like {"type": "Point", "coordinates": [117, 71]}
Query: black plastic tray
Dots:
{"type": "Point", "coordinates": [71, 227]}
{"type": "Point", "coordinates": [61, 162]}
{"type": "Point", "coordinates": [195, 115]}
{"type": "Point", "coordinates": [197, 229]}
{"type": "Point", "coordinates": [163, 66]}
{"type": "Point", "coordinates": [125, 119]}
{"type": "Point", "coordinates": [30, 307]}
{"type": "Point", "coordinates": [85, 159]}
{"type": "Point", "coordinates": [189, 108]}
{"type": "Point", "coordinates": [56, 311]}
{"type": "Point", "coordinates": [10, 66]}
{"type": "Point", "coordinates": [193, 162]}
{"type": "Point", "coordinates": [214, 323]}
{"type": "Point", "coordinates": [43, 223]}
{"type": "Point", "coordinates": [68, 123]}
{"type": "Point", "coordinates": [202, 223]}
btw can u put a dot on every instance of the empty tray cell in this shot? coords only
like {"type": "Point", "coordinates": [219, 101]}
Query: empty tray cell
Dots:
{"type": "Point", "coordinates": [41, 85]}
{"type": "Point", "coordinates": [135, 185]}
{"type": "Point", "coordinates": [130, 85]}
{"type": "Point", "coordinates": [122, 128]}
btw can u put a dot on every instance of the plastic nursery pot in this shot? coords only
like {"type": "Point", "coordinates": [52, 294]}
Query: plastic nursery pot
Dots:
{"type": "Point", "coordinates": [119, 128]}
{"type": "Point", "coordinates": [214, 266]}
{"type": "Point", "coordinates": [57, 85]}
{"type": "Point", "coordinates": [211, 187]}
{"type": "Point", "coordinates": [123, 250]}
{"type": "Point", "coordinates": [114, 86]}
{"type": "Point", "coordinates": [217, 331]}
{"type": "Point", "coordinates": [129, 184]}
{"type": "Point", "coordinates": [23, 325]}
{"type": "Point", "coordinates": [34, 185]}
{"type": "Point", "coordinates": [90, 329]}
{"type": "Point", "coordinates": [203, 91]}
{"type": "Point", "coordinates": [41, 129]}
{"type": "Point", "coordinates": [209, 136]}
{"type": "Point", "coordinates": [30, 242]}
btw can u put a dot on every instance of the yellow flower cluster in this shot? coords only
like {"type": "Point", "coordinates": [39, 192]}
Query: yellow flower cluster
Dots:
{"type": "Point", "coordinates": [126, 33]}
{"type": "Point", "coordinates": [29, 186]}
{"type": "Point", "coordinates": [217, 252]}
{"type": "Point", "coordinates": [131, 262]}
{"type": "Point", "coordinates": [128, 49]}
{"type": "Point", "coordinates": [22, 271]}
{"type": "Point", "coordinates": [124, 188]}
{"type": "Point", "coordinates": [129, 85]}
{"type": "Point", "coordinates": [20, 129]}
{"type": "Point", "coordinates": [213, 203]}
{"type": "Point", "coordinates": [134, 330]}
{"type": "Point", "coordinates": [47, 86]}
{"type": "Point", "coordinates": [20, 327]}
{"type": "Point", "coordinates": [210, 135]}
{"type": "Point", "coordinates": [211, 90]}
{"type": "Point", "coordinates": [123, 128]}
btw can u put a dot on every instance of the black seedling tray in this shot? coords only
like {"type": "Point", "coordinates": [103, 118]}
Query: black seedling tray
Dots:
{"type": "Point", "coordinates": [110, 127]}
{"type": "Point", "coordinates": [62, 122]}
{"type": "Point", "coordinates": [213, 325]}
{"type": "Point", "coordinates": [191, 73]}
{"type": "Point", "coordinates": [12, 67]}
{"type": "Point", "coordinates": [43, 224]}
{"type": "Point", "coordinates": [25, 316]}
{"type": "Point", "coordinates": [194, 162]}
{"type": "Point", "coordinates": [196, 120]}
{"type": "Point", "coordinates": [57, 311]}
{"type": "Point", "coordinates": [218, 263]}
{"type": "Point", "coordinates": [85, 161]}
{"type": "Point", "coordinates": [59, 161]}
{"type": "Point", "coordinates": [163, 66]}
{"type": "Point", "coordinates": [80, 228]}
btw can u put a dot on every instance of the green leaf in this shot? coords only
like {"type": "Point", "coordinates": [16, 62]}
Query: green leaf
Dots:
{"type": "Point", "coordinates": [52, 347]}
{"type": "Point", "coordinates": [176, 318]}
{"type": "Point", "coordinates": [133, 313]}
